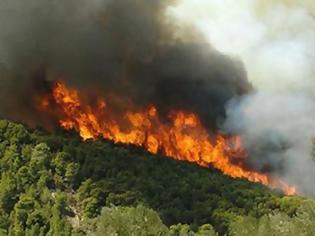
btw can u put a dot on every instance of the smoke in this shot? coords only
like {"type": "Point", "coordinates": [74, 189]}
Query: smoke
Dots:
{"type": "Point", "coordinates": [126, 50]}
{"type": "Point", "coordinates": [203, 57]}
{"type": "Point", "coordinates": [275, 40]}
{"type": "Point", "coordinates": [277, 129]}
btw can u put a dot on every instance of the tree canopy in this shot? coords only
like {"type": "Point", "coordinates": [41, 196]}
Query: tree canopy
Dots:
{"type": "Point", "coordinates": [57, 184]}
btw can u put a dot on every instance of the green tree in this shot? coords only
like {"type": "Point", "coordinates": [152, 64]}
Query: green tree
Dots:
{"type": "Point", "coordinates": [277, 224]}
{"type": "Point", "coordinates": [58, 223]}
{"type": "Point", "coordinates": [126, 221]}
{"type": "Point", "coordinates": [206, 230]}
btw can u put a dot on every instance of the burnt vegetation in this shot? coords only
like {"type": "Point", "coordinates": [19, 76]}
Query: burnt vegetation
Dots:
{"type": "Point", "coordinates": [56, 184]}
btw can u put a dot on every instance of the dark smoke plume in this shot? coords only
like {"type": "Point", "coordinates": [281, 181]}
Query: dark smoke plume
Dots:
{"type": "Point", "coordinates": [126, 49]}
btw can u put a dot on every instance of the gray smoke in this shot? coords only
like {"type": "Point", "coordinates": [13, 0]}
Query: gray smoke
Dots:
{"type": "Point", "coordinates": [275, 39]}
{"type": "Point", "coordinates": [141, 52]}
{"type": "Point", "coordinates": [277, 130]}
{"type": "Point", "coordinates": [126, 49]}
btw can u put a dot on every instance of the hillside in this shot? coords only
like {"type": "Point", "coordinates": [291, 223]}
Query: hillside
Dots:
{"type": "Point", "coordinates": [56, 184]}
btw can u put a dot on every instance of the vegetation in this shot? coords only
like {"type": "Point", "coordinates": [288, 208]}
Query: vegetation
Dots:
{"type": "Point", "coordinates": [59, 185]}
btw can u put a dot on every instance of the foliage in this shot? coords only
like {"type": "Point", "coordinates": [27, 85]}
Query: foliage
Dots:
{"type": "Point", "coordinates": [56, 184]}
{"type": "Point", "coordinates": [127, 221]}
{"type": "Point", "coordinates": [279, 224]}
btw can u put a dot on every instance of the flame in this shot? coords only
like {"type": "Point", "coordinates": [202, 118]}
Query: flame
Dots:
{"type": "Point", "coordinates": [183, 138]}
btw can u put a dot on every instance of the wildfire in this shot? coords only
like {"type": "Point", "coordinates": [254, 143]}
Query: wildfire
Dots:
{"type": "Point", "coordinates": [182, 138]}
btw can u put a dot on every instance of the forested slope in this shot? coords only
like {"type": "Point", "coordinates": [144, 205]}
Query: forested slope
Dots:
{"type": "Point", "coordinates": [56, 184]}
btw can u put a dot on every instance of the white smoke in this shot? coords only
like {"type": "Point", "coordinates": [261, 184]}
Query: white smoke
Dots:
{"type": "Point", "coordinates": [276, 42]}
{"type": "Point", "coordinates": [277, 129]}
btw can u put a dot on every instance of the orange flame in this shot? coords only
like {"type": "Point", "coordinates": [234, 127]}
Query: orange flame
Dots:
{"type": "Point", "coordinates": [183, 138]}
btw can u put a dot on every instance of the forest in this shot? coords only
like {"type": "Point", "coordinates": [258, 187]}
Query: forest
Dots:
{"type": "Point", "coordinates": [57, 184]}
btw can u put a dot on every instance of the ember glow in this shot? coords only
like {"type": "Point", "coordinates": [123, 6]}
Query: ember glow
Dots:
{"type": "Point", "coordinates": [182, 137]}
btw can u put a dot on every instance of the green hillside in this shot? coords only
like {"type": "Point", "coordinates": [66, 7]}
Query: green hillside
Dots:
{"type": "Point", "coordinates": [56, 184]}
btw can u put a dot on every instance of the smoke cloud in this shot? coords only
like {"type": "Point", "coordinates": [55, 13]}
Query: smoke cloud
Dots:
{"type": "Point", "coordinates": [245, 67]}
{"type": "Point", "coordinates": [122, 49]}
{"type": "Point", "coordinates": [275, 40]}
